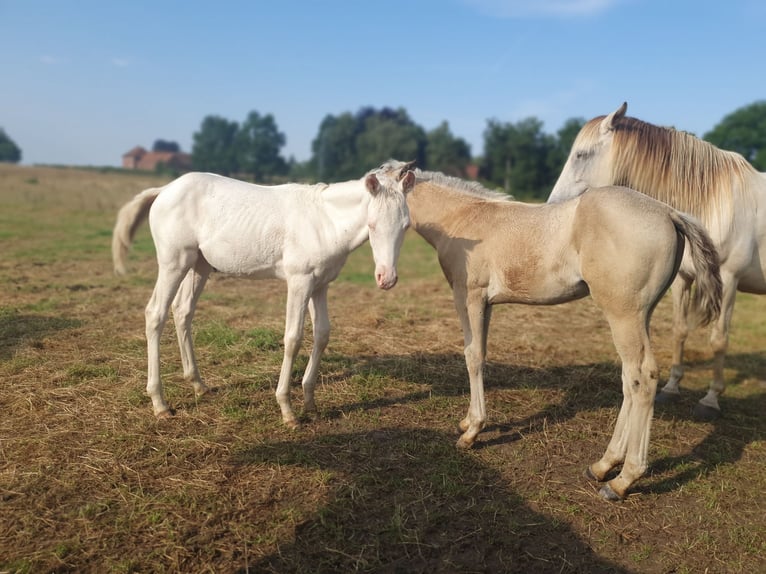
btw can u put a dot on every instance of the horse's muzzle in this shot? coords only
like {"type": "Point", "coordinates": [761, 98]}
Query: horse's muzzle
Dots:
{"type": "Point", "coordinates": [386, 279]}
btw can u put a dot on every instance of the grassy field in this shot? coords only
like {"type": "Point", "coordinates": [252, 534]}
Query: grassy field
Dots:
{"type": "Point", "coordinates": [90, 481]}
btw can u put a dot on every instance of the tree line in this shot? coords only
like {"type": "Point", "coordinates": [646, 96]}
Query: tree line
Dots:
{"type": "Point", "coordinates": [518, 157]}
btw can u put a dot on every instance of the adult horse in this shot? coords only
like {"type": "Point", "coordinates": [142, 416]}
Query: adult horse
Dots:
{"type": "Point", "coordinates": [719, 187]}
{"type": "Point", "coordinates": [621, 247]}
{"type": "Point", "coordinates": [299, 233]}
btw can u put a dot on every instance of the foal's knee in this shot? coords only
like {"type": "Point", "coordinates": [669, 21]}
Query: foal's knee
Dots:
{"type": "Point", "coordinates": [322, 337]}
{"type": "Point", "coordinates": [292, 342]}
{"type": "Point", "coordinates": [155, 320]}
{"type": "Point", "coordinates": [474, 360]}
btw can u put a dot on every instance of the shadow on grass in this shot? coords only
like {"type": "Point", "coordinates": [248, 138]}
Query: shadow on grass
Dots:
{"type": "Point", "coordinates": [745, 365]}
{"type": "Point", "coordinates": [586, 388]}
{"type": "Point", "coordinates": [742, 423]}
{"type": "Point", "coordinates": [18, 329]}
{"type": "Point", "coordinates": [408, 501]}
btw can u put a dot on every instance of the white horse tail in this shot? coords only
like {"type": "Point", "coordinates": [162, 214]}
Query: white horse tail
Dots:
{"type": "Point", "coordinates": [706, 300]}
{"type": "Point", "coordinates": [130, 216]}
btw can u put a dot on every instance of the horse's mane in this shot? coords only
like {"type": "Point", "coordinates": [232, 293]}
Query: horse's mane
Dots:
{"type": "Point", "coordinates": [472, 188]}
{"type": "Point", "coordinates": [675, 167]}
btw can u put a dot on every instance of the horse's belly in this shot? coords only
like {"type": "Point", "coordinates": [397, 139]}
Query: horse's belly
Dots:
{"type": "Point", "coordinates": [543, 291]}
{"type": "Point", "coordinates": [752, 277]}
{"type": "Point", "coordinates": [259, 264]}
{"type": "Point", "coordinates": [753, 282]}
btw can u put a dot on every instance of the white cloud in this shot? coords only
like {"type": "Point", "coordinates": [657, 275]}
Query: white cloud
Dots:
{"type": "Point", "coordinates": [540, 8]}
{"type": "Point", "coordinates": [120, 62]}
{"type": "Point", "coordinates": [49, 60]}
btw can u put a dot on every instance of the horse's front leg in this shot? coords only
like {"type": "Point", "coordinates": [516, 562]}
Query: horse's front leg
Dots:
{"type": "Point", "coordinates": [184, 305]}
{"type": "Point", "coordinates": [474, 313]}
{"type": "Point", "coordinates": [708, 408]}
{"type": "Point", "coordinates": [681, 294]}
{"type": "Point", "coordinates": [299, 289]}
{"type": "Point", "coordinates": [320, 320]}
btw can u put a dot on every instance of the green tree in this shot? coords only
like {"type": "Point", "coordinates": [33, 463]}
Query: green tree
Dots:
{"type": "Point", "coordinates": [9, 151]}
{"type": "Point", "coordinates": [446, 153]}
{"type": "Point", "coordinates": [387, 134]}
{"type": "Point", "coordinates": [258, 143]}
{"type": "Point", "coordinates": [334, 148]}
{"type": "Point", "coordinates": [214, 146]}
{"type": "Point", "coordinates": [516, 157]}
{"type": "Point", "coordinates": [348, 145]}
{"type": "Point", "coordinates": [743, 131]}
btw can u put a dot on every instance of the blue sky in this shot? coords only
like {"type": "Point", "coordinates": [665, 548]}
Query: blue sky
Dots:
{"type": "Point", "coordinates": [84, 81]}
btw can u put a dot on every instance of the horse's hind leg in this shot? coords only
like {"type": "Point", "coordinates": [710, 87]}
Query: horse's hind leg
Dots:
{"type": "Point", "coordinates": [320, 319]}
{"type": "Point", "coordinates": [681, 293]}
{"type": "Point", "coordinates": [708, 407]}
{"type": "Point", "coordinates": [630, 441]}
{"type": "Point", "coordinates": [168, 280]}
{"type": "Point", "coordinates": [184, 305]}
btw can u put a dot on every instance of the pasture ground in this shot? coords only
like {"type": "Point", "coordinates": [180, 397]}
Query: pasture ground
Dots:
{"type": "Point", "coordinates": [90, 481]}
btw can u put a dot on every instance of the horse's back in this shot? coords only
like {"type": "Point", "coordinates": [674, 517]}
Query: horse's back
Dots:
{"type": "Point", "coordinates": [619, 207]}
{"type": "Point", "coordinates": [196, 186]}
{"type": "Point", "coordinates": [238, 227]}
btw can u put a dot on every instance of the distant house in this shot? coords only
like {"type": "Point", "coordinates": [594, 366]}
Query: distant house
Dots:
{"type": "Point", "coordinates": [140, 158]}
{"type": "Point", "coordinates": [472, 171]}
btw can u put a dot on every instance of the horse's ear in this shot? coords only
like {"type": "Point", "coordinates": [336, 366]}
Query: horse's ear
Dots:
{"type": "Point", "coordinates": [410, 165]}
{"type": "Point", "coordinates": [408, 182]}
{"type": "Point", "coordinates": [372, 184]}
{"type": "Point", "coordinates": [608, 123]}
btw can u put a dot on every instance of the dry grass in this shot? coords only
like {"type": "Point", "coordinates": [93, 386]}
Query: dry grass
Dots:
{"type": "Point", "coordinates": [91, 482]}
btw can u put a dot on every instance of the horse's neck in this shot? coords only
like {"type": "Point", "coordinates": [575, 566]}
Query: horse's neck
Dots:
{"type": "Point", "coordinates": [346, 205]}
{"type": "Point", "coordinates": [432, 209]}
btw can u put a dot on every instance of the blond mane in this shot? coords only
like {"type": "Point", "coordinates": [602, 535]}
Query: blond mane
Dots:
{"type": "Point", "coordinates": [676, 168]}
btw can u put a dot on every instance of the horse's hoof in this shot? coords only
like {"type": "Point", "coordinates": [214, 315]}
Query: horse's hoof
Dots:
{"type": "Point", "coordinates": [607, 493]}
{"type": "Point", "coordinates": [292, 424]}
{"type": "Point", "coordinates": [464, 444]}
{"type": "Point", "coordinates": [705, 413]}
{"type": "Point", "coordinates": [309, 414]}
{"type": "Point", "coordinates": [166, 414]}
{"type": "Point", "coordinates": [664, 398]}
{"type": "Point", "coordinates": [590, 476]}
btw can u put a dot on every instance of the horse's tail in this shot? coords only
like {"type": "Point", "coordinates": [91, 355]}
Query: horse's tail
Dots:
{"type": "Point", "coordinates": [130, 216]}
{"type": "Point", "coordinates": [706, 300]}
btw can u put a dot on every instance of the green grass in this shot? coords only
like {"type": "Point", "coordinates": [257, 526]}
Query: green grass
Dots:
{"type": "Point", "coordinates": [91, 481]}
